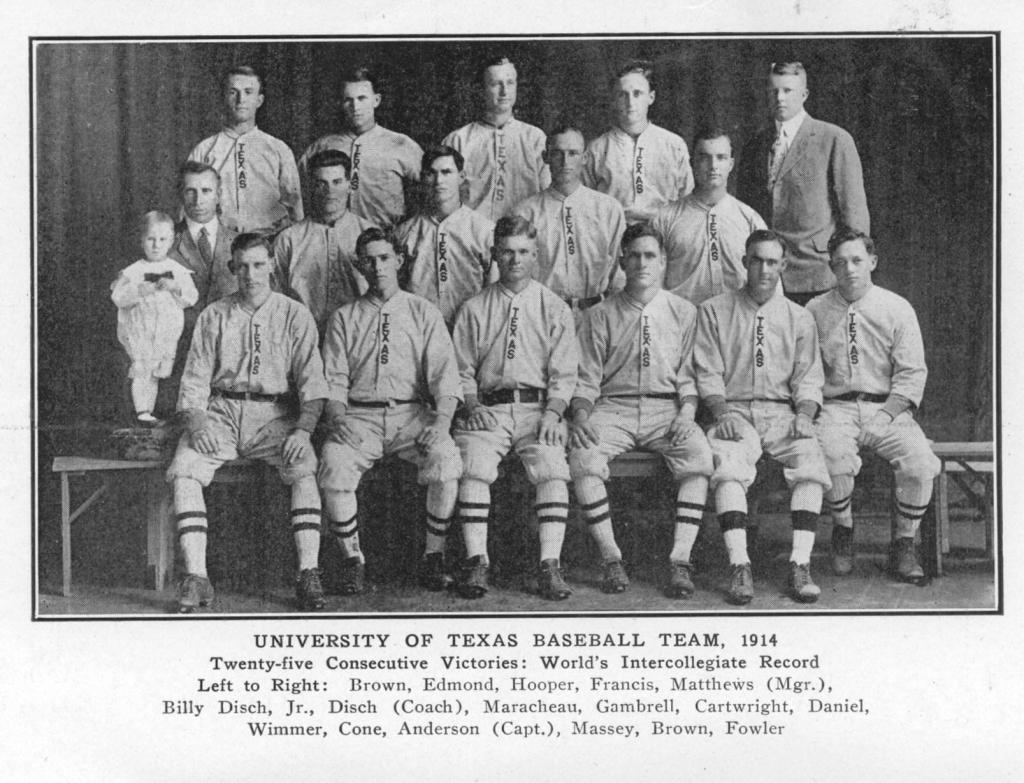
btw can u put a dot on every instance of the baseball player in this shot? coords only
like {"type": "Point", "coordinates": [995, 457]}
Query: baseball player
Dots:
{"type": "Point", "coordinates": [642, 165]}
{"type": "Point", "coordinates": [316, 256]}
{"type": "Point", "coordinates": [874, 378]}
{"type": "Point", "coordinates": [253, 353]}
{"type": "Point", "coordinates": [504, 156]}
{"type": "Point", "coordinates": [705, 232]}
{"type": "Point", "coordinates": [259, 183]}
{"type": "Point", "coordinates": [384, 162]}
{"type": "Point", "coordinates": [449, 245]}
{"type": "Point", "coordinates": [517, 354]}
{"type": "Point", "coordinates": [759, 372]}
{"type": "Point", "coordinates": [578, 229]}
{"type": "Point", "coordinates": [386, 355]}
{"type": "Point", "coordinates": [636, 390]}
{"type": "Point", "coordinates": [805, 177]}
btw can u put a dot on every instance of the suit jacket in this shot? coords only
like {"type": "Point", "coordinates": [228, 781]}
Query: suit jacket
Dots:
{"type": "Point", "coordinates": [213, 281]}
{"type": "Point", "coordinates": [820, 187]}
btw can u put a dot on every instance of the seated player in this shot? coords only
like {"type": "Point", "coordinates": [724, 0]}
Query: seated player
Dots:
{"type": "Point", "coordinates": [386, 356]}
{"type": "Point", "coordinates": [636, 391]}
{"type": "Point", "coordinates": [449, 244]}
{"type": "Point", "coordinates": [253, 387]}
{"type": "Point", "coordinates": [875, 373]}
{"type": "Point", "coordinates": [516, 348]}
{"type": "Point", "coordinates": [759, 373]}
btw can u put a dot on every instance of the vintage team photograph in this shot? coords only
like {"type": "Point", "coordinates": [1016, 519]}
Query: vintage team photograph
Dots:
{"type": "Point", "coordinates": [505, 326]}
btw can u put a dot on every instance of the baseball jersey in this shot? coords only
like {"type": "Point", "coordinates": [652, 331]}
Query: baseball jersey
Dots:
{"type": "Point", "coordinates": [746, 351]}
{"type": "Point", "coordinates": [630, 348]}
{"type": "Point", "coordinates": [704, 245]}
{"type": "Point", "coordinates": [450, 258]}
{"type": "Point", "coordinates": [259, 182]}
{"type": "Point", "coordinates": [315, 264]}
{"type": "Point", "coordinates": [872, 345]}
{"type": "Point", "coordinates": [652, 170]}
{"type": "Point", "coordinates": [578, 238]}
{"type": "Point", "coordinates": [376, 351]}
{"type": "Point", "coordinates": [505, 340]}
{"type": "Point", "coordinates": [382, 161]}
{"type": "Point", "coordinates": [270, 351]}
{"type": "Point", "coordinates": [503, 165]}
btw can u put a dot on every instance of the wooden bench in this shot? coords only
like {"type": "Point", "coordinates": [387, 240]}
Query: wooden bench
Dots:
{"type": "Point", "coordinates": [970, 458]}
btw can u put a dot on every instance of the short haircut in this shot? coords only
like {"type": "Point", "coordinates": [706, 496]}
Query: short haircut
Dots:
{"type": "Point", "coordinates": [565, 128]}
{"type": "Point", "coordinates": [153, 218]}
{"type": "Point", "coordinates": [708, 132]}
{"type": "Point", "coordinates": [248, 241]}
{"type": "Point", "coordinates": [243, 70]}
{"type": "Point", "coordinates": [643, 67]}
{"type": "Point", "coordinates": [513, 226]}
{"type": "Point", "coordinates": [846, 234]}
{"type": "Point", "coordinates": [496, 62]}
{"type": "Point", "coordinates": [436, 151]}
{"type": "Point", "coordinates": [361, 73]}
{"type": "Point", "coordinates": [642, 229]}
{"type": "Point", "coordinates": [195, 167]}
{"type": "Point", "coordinates": [375, 234]}
{"type": "Point", "coordinates": [766, 235]}
{"type": "Point", "coordinates": [328, 158]}
{"type": "Point", "coordinates": [788, 68]}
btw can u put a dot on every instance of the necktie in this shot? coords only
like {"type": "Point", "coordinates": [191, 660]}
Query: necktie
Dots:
{"type": "Point", "coordinates": [204, 246]}
{"type": "Point", "coordinates": [777, 156]}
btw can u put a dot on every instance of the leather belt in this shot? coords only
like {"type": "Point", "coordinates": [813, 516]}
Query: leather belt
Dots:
{"type": "Point", "coordinates": [649, 395]}
{"type": "Point", "coordinates": [253, 396]}
{"type": "Point", "coordinates": [380, 403]}
{"type": "Point", "coordinates": [504, 396]}
{"type": "Point", "coordinates": [860, 397]}
{"type": "Point", "coordinates": [582, 303]}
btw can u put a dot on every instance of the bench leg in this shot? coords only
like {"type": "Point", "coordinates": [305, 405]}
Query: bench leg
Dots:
{"type": "Point", "coordinates": [942, 499]}
{"type": "Point", "coordinates": [65, 534]}
{"type": "Point", "coordinates": [931, 536]}
{"type": "Point", "coordinates": [159, 533]}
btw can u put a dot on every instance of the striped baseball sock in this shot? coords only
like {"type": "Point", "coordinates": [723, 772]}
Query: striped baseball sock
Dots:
{"type": "Point", "coordinates": [305, 518]}
{"type": "Point", "coordinates": [593, 499]}
{"type": "Point", "coordinates": [472, 510]}
{"type": "Point", "coordinates": [731, 504]}
{"type": "Point", "coordinates": [805, 524]}
{"type": "Point", "coordinates": [552, 509]}
{"type": "Point", "coordinates": [440, 505]}
{"type": "Point", "coordinates": [912, 499]}
{"type": "Point", "coordinates": [191, 524]}
{"type": "Point", "coordinates": [690, 499]}
{"type": "Point", "coordinates": [839, 501]}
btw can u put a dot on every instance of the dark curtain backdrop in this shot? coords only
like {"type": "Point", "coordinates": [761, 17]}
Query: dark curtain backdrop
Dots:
{"type": "Point", "coordinates": [113, 122]}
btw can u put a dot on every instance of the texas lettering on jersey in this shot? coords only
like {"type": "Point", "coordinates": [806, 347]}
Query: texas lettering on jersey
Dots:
{"type": "Point", "coordinates": [759, 346]}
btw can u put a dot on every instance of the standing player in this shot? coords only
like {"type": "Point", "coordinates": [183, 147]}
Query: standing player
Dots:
{"type": "Point", "coordinates": [578, 229]}
{"type": "Point", "coordinates": [252, 354]}
{"type": "Point", "coordinates": [384, 163]}
{"type": "Point", "coordinates": [759, 373]}
{"type": "Point", "coordinates": [874, 378]}
{"type": "Point", "coordinates": [449, 245]}
{"type": "Point", "coordinates": [504, 156]}
{"type": "Point", "coordinates": [386, 355]}
{"type": "Point", "coordinates": [259, 183]}
{"type": "Point", "coordinates": [517, 354]}
{"type": "Point", "coordinates": [804, 176]}
{"type": "Point", "coordinates": [636, 390]}
{"type": "Point", "coordinates": [641, 165]}
{"type": "Point", "coordinates": [705, 233]}
{"type": "Point", "coordinates": [316, 257]}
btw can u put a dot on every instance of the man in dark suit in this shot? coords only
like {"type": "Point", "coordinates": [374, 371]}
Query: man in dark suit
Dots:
{"type": "Point", "coordinates": [804, 176]}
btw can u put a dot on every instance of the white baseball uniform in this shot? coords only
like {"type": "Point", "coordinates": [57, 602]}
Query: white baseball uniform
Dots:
{"type": "Point", "coordinates": [705, 245]}
{"type": "Point", "coordinates": [382, 162]}
{"type": "Point", "coordinates": [259, 182]}
{"type": "Point", "coordinates": [503, 165]}
{"type": "Point", "coordinates": [646, 172]}
{"type": "Point", "coordinates": [578, 238]}
{"type": "Point", "coordinates": [315, 264]}
{"type": "Point", "coordinates": [450, 258]}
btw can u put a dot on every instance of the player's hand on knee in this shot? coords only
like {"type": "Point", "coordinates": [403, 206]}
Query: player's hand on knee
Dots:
{"type": "Point", "coordinates": [803, 426]}
{"type": "Point", "coordinates": [582, 434]}
{"type": "Point", "coordinates": [430, 436]}
{"type": "Point", "coordinates": [342, 432]}
{"type": "Point", "coordinates": [728, 426]}
{"type": "Point", "coordinates": [682, 429]}
{"type": "Point", "coordinates": [205, 442]}
{"type": "Point", "coordinates": [550, 430]}
{"type": "Point", "coordinates": [295, 446]}
{"type": "Point", "coordinates": [480, 418]}
{"type": "Point", "coordinates": [874, 429]}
